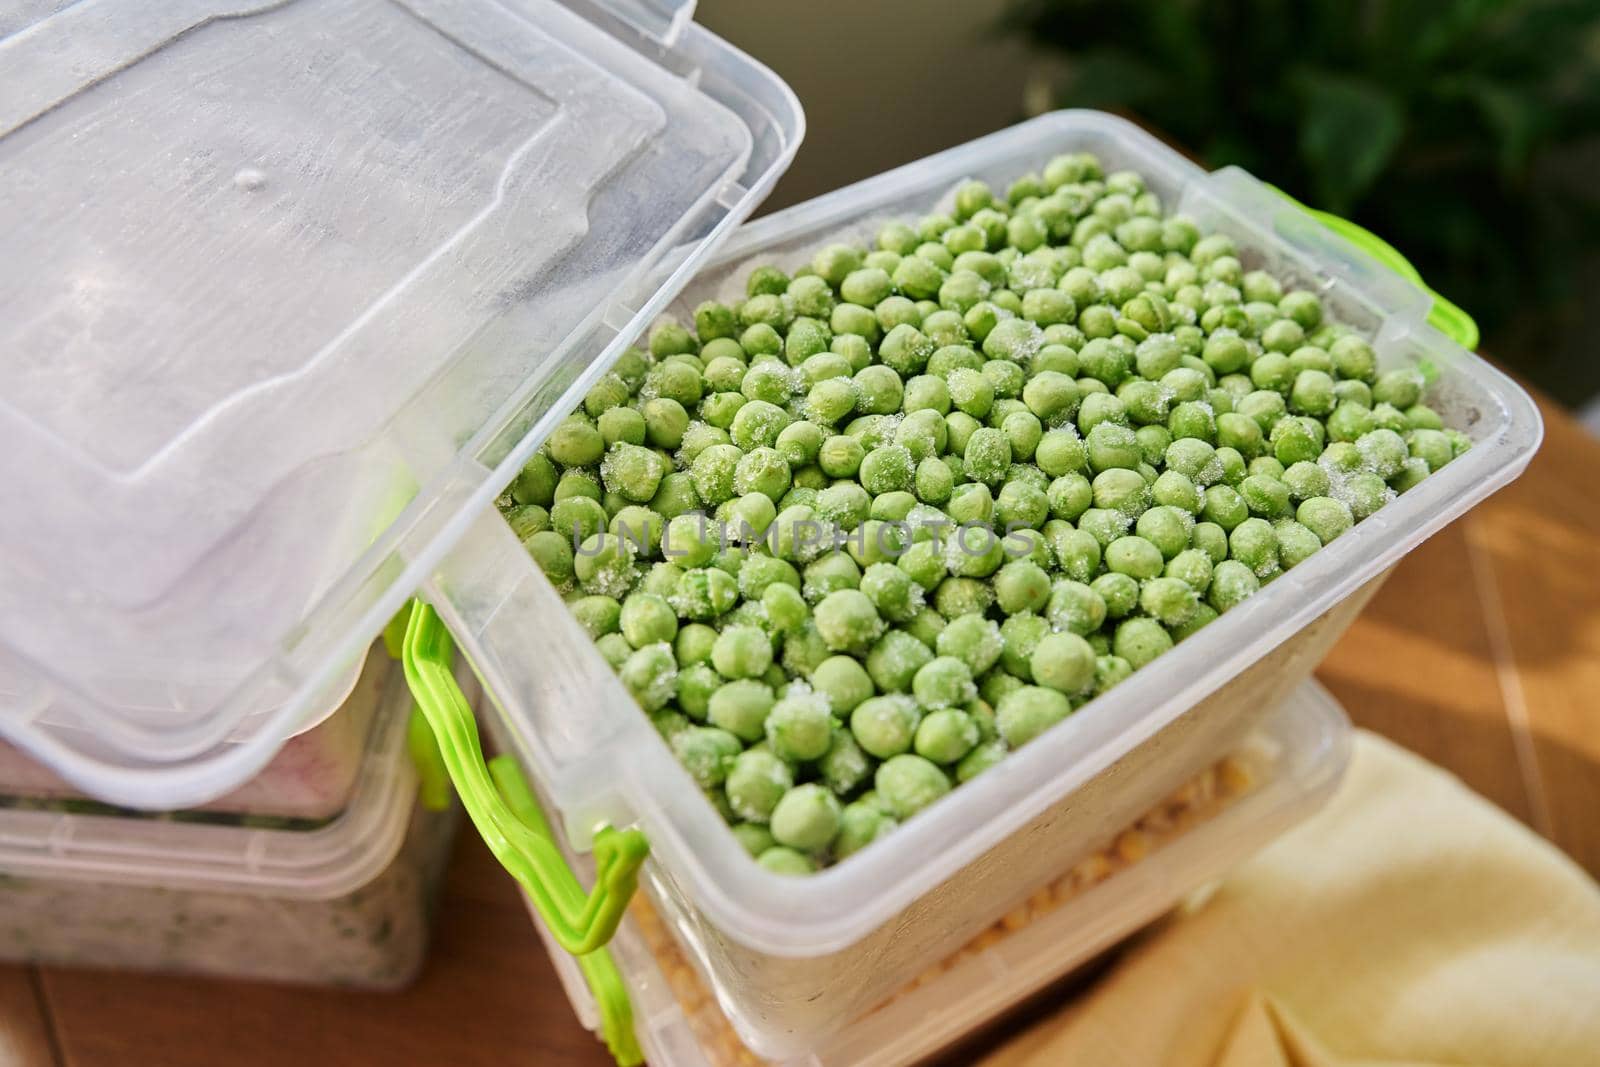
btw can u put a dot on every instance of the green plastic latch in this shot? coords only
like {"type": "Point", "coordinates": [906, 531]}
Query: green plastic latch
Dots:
{"type": "Point", "coordinates": [433, 780]}
{"type": "Point", "coordinates": [1445, 317]}
{"type": "Point", "coordinates": [580, 923]}
{"type": "Point", "coordinates": [599, 969]}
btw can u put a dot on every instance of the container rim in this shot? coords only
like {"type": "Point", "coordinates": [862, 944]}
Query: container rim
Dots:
{"type": "Point", "coordinates": [327, 862]}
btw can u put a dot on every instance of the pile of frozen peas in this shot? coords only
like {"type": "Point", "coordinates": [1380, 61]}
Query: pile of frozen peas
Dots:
{"type": "Point", "coordinates": [862, 533]}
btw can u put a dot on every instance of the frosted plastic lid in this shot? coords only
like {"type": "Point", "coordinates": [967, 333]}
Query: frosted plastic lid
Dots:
{"type": "Point", "coordinates": [288, 291]}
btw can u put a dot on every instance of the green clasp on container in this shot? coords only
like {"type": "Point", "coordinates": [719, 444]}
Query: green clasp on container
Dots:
{"type": "Point", "coordinates": [1445, 317]}
{"type": "Point", "coordinates": [580, 923]}
{"type": "Point", "coordinates": [599, 969]}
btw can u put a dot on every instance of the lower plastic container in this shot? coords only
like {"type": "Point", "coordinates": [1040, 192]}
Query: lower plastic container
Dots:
{"type": "Point", "coordinates": [309, 779]}
{"type": "Point", "coordinates": [1283, 773]}
{"type": "Point", "coordinates": [791, 960]}
{"type": "Point", "coordinates": [348, 903]}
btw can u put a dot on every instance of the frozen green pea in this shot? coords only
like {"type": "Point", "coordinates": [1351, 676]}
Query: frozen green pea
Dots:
{"type": "Point", "coordinates": [780, 859]}
{"type": "Point", "coordinates": [1365, 492]}
{"type": "Point", "coordinates": [575, 444]}
{"type": "Point", "coordinates": [741, 652]}
{"type": "Point", "coordinates": [696, 685]}
{"type": "Point", "coordinates": [1324, 516]}
{"type": "Point", "coordinates": [1193, 567]}
{"type": "Point", "coordinates": [1174, 490]}
{"type": "Point", "coordinates": [598, 615]}
{"type": "Point", "coordinates": [575, 483]}
{"type": "Point", "coordinates": [1021, 505]}
{"type": "Point", "coordinates": [806, 818]}
{"type": "Point", "coordinates": [840, 679]}
{"type": "Point", "coordinates": [706, 752]}
{"type": "Point", "coordinates": [1135, 557]}
{"type": "Point", "coordinates": [1110, 446]}
{"type": "Point", "coordinates": [962, 596]}
{"type": "Point", "coordinates": [646, 619]}
{"type": "Point", "coordinates": [860, 824]}
{"type": "Point", "coordinates": [1295, 543]}
{"type": "Point", "coordinates": [972, 640]}
{"type": "Point", "coordinates": [1075, 607]}
{"type": "Point", "coordinates": [1025, 713]}
{"type": "Point", "coordinates": [704, 593]}
{"type": "Point", "coordinates": [943, 682]}
{"type": "Point", "coordinates": [1224, 506]}
{"type": "Point", "coordinates": [1121, 490]}
{"type": "Point", "coordinates": [691, 539]}
{"type": "Point", "coordinates": [980, 759]}
{"type": "Point", "coordinates": [885, 726]}
{"type": "Point", "coordinates": [1383, 451]}
{"type": "Point", "coordinates": [1231, 583]}
{"type": "Point", "coordinates": [785, 607]}
{"type": "Point", "coordinates": [536, 482]}
{"type": "Point", "coordinates": [1254, 543]}
{"type": "Point", "coordinates": [1165, 527]}
{"type": "Point", "coordinates": [1240, 433]}
{"type": "Point", "coordinates": [1264, 495]}
{"type": "Point", "coordinates": [800, 726]}
{"type": "Point", "coordinates": [1139, 640]}
{"type": "Point", "coordinates": [830, 573]}
{"type": "Point", "coordinates": [1104, 524]}
{"type": "Point", "coordinates": [1118, 591]}
{"type": "Point", "coordinates": [1063, 661]}
{"type": "Point", "coordinates": [741, 708]}
{"type": "Point", "coordinates": [844, 766]}
{"type": "Point", "coordinates": [891, 591]}
{"type": "Point", "coordinates": [1431, 446]}
{"type": "Point", "coordinates": [945, 736]}
{"type": "Point", "coordinates": [754, 839]}
{"type": "Point", "coordinates": [1401, 387]}
{"type": "Point", "coordinates": [895, 660]}
{"type": "Point", "coordinates": [604, 564]}
{"type": "Point", "coordinates": [756, 781]}
{"type": "Point", "coordinates": [650, 675]}
{"type": "Point", "coordinates": [526, 520]}
{"type": "Point", "coordinates": [614, 648]}
{"type": "Point", "coordinates": [907, 783]}
{"type": "Point", "coordinates": [1019, 634]}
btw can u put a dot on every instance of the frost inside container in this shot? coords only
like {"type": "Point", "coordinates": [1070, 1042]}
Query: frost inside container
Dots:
{"type": "Point", "coordinates": [349, 903]}
{"type": "Point", "coordinates": [308, 781]}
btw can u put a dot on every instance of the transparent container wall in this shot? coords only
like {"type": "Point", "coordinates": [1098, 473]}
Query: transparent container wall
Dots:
{"type": "Point", "coordinates": [1283, 772]}
{"type": "Point", "coordinates": [310, 778]}
{"type": "Point", "coordinates": [290, 291]}
{"type": "Point", "coordinates": [347, 903]}
{"type": "Point", "coordinates": [792, 959]}
{"type": "Point", "coordinates": [373, 937]}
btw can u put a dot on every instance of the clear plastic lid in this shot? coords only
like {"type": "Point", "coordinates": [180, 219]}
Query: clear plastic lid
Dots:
{"type": "Point", "coordinates": [288, 291]}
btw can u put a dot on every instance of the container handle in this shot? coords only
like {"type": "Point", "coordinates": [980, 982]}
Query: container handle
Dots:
{"type": "Point", "coordinates": [599, 969]}
{"type": "Point", "coordinates": [1445, 316]}
{"type": "Point", "coordinates": [580, 923]}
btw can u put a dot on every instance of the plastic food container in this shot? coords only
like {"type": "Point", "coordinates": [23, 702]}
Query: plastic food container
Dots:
{"type": "Point", "coordinates": [309, 779]}
{"type": "Point", "coordinates": [1282, 774]}
{"type": "Point", "coordinates": [792, 959]}
{"type": "Point", "coordinates": [297, 289]}
{"type": "Point", "coordinates": [347, 904]}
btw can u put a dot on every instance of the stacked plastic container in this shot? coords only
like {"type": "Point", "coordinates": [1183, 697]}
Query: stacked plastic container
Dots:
{"type": "Point", "coordinates": [260, 893]}
{"type": "Point", "coordinates": [302, 286]}
{"type": "Point", "coordinates": [1283, 773]}
{"type": "Point", "coordinates": [791, 961]}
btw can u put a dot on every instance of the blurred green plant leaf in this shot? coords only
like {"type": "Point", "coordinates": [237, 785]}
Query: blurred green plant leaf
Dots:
{"type": "Point", "coordinates": [1349, 129]}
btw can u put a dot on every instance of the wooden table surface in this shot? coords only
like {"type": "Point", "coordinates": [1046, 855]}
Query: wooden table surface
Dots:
{"type": "Point", "coordinates": [1482, 653]}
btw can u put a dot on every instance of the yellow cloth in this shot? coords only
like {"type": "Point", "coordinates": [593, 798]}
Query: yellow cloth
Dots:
{"type": "Point", "coordinates": [1408, 924]}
